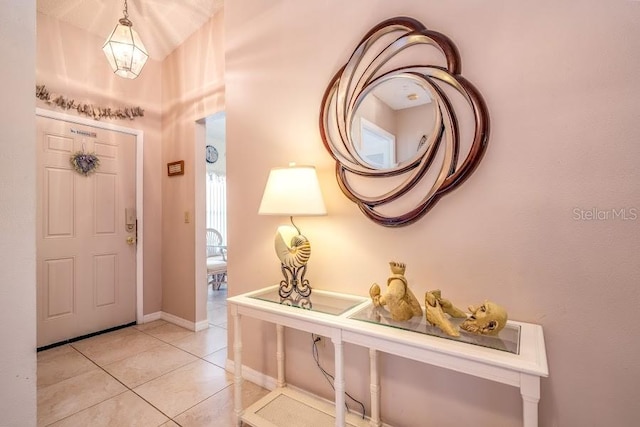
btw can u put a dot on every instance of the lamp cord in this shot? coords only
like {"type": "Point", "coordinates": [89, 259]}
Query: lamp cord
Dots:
{"type": "Point", "coordinates": [327, 375]}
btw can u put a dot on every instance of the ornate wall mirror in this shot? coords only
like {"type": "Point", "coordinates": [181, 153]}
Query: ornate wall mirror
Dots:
{"type": "Point", "coordinates": [402, 123]}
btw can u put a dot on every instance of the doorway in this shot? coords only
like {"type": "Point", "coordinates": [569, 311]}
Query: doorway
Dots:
{"type": "Point", "coordinates": [216, 175]}
{"type": "Point", "coordinates": [89, 269]}
{"type": "Point", "coordinates": [216, 219]}
{"type": "Point", "coordinates": [210, 213]}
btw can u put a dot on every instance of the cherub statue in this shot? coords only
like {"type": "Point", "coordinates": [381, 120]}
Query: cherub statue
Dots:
{"type": "Point", "coordinates": [435, 308]}
{"type": "Point", "coordinates": [487, 319]}
{"type": "Point", "coordinates": [399, 299]}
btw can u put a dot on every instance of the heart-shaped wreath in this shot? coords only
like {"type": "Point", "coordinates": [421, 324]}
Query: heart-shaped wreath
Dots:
{"type": "Point", "coordinates": [85, 163]}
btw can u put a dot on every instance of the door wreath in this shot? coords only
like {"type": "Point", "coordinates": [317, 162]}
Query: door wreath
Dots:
{"type": "Point", "coordinates": [85, 163]}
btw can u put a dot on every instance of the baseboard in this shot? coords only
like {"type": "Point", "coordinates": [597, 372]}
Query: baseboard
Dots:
{"type": "Point", "coordinates": [148, 318]}
{"type": "Point", "coordinates": [202, 325]}
{"type": "Point", "coordinates": [161, 315]}
{"type": "Point", "coordinates": [252, 375]}
{"type": "Point", "coordinates": [171, 318]}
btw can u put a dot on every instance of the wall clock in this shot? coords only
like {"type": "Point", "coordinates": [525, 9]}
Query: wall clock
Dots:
{"type": "Point", "coordinates": [212, 154]}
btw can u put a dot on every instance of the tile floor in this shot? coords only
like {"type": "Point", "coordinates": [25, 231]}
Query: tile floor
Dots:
{"type": "Point", "coordinates": [156, 374]}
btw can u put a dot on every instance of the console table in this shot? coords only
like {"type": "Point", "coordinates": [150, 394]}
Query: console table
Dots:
{"type": "Point", "coordinates": [517, 357]}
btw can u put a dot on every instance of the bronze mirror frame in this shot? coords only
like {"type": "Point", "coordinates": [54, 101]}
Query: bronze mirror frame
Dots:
{"type": "Point", "coordinates": [364, 71]}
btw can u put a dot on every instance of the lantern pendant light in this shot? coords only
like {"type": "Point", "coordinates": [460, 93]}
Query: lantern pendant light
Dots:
{"type": "Point", "coordinates": [124, 49]}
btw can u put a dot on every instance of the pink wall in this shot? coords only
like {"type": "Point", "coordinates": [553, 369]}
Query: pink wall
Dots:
{"type": "Point", "coordinates": [17, 216]}
{"type": "Point", "coordinates": [192, 89]}
{"type": "Point", "coordinates": [413, 123]}
{"type": "Point", "coordinates": [560, 82]}
{"type": "Point", "coordinates": [69, 64]}
{"type": "Point", "coordinates": [377, 112]}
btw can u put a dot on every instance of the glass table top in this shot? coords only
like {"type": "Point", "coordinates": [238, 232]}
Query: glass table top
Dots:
{"type": "Point", "coordinates": [508, 339]}
{"type": "Point", "coordinates": [320, 301]}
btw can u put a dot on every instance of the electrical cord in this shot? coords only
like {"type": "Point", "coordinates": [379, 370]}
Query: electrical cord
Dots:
{"type": "Point", "coordinates": [327, 375]}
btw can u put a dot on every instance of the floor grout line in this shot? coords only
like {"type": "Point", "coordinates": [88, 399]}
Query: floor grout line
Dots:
{"type": "Point", "coordinates": [219, 304]}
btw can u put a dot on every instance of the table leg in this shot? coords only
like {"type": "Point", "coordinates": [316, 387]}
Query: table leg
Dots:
{"type": "Point", "coordinates": [237, 364]}
{"type": "Point", "coordinates": [530, 391]}
{"type": "Point", "coordinates": [374, 388]}
{"type": "Point", "coordinates": [280, 354]}
{"type": "Point", "coordinates": [338, 382]}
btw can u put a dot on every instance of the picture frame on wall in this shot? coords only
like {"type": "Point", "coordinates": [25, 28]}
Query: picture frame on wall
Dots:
{"type": "Point", "coordinates": [175, 168]}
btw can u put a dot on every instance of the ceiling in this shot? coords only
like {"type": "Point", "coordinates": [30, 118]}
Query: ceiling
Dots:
{"type": "Point", "coordinates": [162, 25]}
{"type": "Point", "coordinates": [401, 93]}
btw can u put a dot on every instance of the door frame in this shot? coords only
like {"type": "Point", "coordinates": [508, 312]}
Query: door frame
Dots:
{"type": "Point", "coordinates": [139, 135]}
{"type": "Point", "coordinates": [201, 286]}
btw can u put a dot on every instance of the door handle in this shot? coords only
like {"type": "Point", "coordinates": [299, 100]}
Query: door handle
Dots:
{"type": "Point", "coordinates": [131, 240]}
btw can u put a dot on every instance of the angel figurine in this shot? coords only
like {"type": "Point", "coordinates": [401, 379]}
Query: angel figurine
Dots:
{"type": "Point", "coordinates": [400, 301]}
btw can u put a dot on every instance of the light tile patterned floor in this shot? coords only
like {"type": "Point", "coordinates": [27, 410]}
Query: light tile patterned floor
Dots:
{"type": "Point", "coordinates": [157, 374]}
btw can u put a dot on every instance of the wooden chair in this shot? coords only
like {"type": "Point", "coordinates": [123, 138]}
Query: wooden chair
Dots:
{"type": "Point", "coordinates": [216, 259]}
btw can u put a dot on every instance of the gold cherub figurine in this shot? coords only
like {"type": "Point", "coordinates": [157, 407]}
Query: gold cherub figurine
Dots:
{"type": "Point", "coordinates": [435, 307]}
{"type": "Point", "coordinates": [398, 298]}
{"type": "Point", "coordinates": [486, 319]}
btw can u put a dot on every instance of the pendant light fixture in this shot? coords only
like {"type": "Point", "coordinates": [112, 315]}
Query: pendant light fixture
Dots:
{"type": "Point", "coordinates": [124, 49]}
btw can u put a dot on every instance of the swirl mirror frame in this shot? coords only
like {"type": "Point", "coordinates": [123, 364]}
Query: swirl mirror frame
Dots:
{"type": "Point", "coordinates": [374, 62]}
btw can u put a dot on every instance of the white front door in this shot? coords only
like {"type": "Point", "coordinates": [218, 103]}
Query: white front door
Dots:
{"type": "Point", "coordinates": [86, 252]}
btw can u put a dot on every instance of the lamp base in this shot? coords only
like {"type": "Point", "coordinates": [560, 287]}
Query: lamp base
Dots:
{"type": "Point", "coordinates": [294, 281]}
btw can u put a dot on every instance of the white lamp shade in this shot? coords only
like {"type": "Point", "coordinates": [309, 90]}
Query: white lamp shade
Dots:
{"type": "Point", "coordinates": [125, 52]}
{"type": "Point", "coordinates": [292, 191]}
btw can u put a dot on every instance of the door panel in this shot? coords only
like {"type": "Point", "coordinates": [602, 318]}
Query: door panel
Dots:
{"type": "Point", "coordinates": [59, 286]}
{"type": "Point", "coordinates": [105, 271]}
{"type": "Point", "coordinates": [86, 271]}
{"type": "Point", "coordinates": [59, 212]}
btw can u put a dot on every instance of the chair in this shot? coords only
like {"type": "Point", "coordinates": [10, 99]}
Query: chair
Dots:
{"type": "Point", "coordinates": [216, 259]}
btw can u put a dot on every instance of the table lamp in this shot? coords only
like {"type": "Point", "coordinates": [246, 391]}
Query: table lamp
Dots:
{"type": "Point", "coordinates": [293, 191]}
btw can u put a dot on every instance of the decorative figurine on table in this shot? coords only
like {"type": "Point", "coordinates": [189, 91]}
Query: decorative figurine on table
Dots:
{"type": "Point", "coordinates": [435, 308]}
{"type": "Point", "coordinates": [398, 298]}
{"type": "Point", "coordinates": [487, 319]}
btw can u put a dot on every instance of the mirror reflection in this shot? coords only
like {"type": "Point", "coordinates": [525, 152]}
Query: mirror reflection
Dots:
{"type": "Point", "coordinates": [392, 122]}
{"type": "Point", "coordinates": [395, 130]}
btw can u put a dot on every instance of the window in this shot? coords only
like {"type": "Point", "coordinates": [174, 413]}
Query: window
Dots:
{"type": "Point", "coordinates": [216, 205]}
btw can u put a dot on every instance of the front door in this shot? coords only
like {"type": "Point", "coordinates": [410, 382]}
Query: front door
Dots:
{"type": "Point", "coordinates": [86, 250]}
